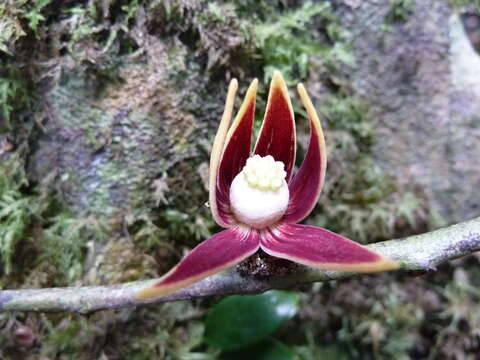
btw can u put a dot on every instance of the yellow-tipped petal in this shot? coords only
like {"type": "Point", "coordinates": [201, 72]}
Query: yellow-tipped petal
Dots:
{"type": "Point", "coordinates": [323, 249]}
{"type": "Point", "coordinates": [249, 99]}
{"type": "Point", "coordinates": [236, 150]}
{"type": "Point", "coordinates": [315, 121]}
{"type": "Point", "coordinates": [277, 135]}
{"type": "Point", "coordinates": [307, 184]}
{"type": "Point", "coordinates": [217, 150]}
{"type": "Point", "coordinates": [213, 255]}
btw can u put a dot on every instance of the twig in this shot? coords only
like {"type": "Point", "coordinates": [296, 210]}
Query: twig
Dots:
{"type": "Point", "coordinates": [415, 253]}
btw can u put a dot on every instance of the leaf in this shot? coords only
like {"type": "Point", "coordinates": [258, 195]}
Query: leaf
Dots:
{"type": "Point", "coordinates": [239, 321]}
{"type": "Point", "coordinates": [270, 349]}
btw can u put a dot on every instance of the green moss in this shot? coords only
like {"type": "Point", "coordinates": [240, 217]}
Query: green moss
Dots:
{"type": "Point", "coordinates": [15, 93]}
{"type": "Point", "coordinates": [16, 209]}
{"type": "Point", "coordinates": [60, 239]}
{"type": "Point", "coordinates": [170, 331]}
{"type": "Point", "coordinates": [362, 201]}
{"type": "Point", "coordinates": [400, 10]}
{"type": "Point", "coordinates": [83, 114]}
{"type": "Point", "coordinates": [120, 261]}
{"type": "Point", "coordinates": [64, 244]}
{"type": "Point", "coordinates": [462, 4]}
{"type": "Point", "coordinates": [10, 27]}
{"type": "Point", "coordinates": [285, 45]}
{"type": "Point", "coordinates": [33, 13]}
{"type": "Point", "coordinates": [70, 336]}
{"type": "Point", "coordinates": [13, 13]}
{"type": "Point", "coordinates": [459, 314]}
{"type": "Point", "coordinates": [391, 314]}
{"type": "Point", "coordinates": [141, 202]}
{"type": "Point", "coordinates": [49, 233]}
{"type": "Point", "coordinates": [348, 114]}
{"type": "Point", "coordinates": [20, 212]}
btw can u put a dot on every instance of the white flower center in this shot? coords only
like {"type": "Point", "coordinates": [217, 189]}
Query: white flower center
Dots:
{"type": "Point", "coordinates": [259, 193]}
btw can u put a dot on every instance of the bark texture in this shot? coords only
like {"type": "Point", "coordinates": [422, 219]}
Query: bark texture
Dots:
{"type": "Point", "coordinates": [107, 114]}
{"type": "Point", "coordinates": [416, 67]}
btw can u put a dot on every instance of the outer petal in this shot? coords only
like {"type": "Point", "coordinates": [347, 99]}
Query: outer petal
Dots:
{"type": "Point", "coordinates": [217, 149]}
{"type": "Point", "coordinates": [235, 152]}
{"type": "Point", "coordinates": [277, 135]}
{"type": "Point", "coordinates": [215, 254]}
{"type": "Point", "coordinates": [323, 249]}
{"type": "Point", "coordinates": [307, 183]}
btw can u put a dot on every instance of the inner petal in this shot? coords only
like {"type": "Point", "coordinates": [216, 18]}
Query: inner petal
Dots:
{"type": "Point", "coordinates": [259, 193]}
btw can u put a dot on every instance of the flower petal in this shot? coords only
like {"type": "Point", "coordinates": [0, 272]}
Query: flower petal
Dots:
{"type": "Point", "coordinates": [217, 149]}
{"type": "Point", "coordinates": [323, 249]}
{"type": "Point", "coordinates": [306, 185]}
{"type": "Point", "coordinates": [277, 135]}
{"type": "Point", "coordinates": [222, 250]}
{"type": "Point", "coordinates": [235, 152]}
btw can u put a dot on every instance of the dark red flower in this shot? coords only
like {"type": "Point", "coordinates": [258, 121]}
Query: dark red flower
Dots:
{"type": "Point", "coordinates": [259, 199]}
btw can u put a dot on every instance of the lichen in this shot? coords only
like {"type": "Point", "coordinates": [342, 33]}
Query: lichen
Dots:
{"type": "Point", "coordinates": [119, 262]}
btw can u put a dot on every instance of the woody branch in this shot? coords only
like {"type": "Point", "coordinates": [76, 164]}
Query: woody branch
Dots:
{"type": "Point", "coordinates": [415, 253]}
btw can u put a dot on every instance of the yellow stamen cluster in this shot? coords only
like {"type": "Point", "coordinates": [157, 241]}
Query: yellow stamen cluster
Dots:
{"type": "Point", "coordinates": [264, 173]}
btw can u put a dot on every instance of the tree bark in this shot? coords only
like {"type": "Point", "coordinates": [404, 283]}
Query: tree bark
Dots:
{"type": "Point", "coordinates": [420, 75]}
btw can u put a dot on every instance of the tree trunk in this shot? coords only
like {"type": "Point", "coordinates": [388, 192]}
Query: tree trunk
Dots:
{"type": "Point", "coordinates": [108, 110]}
{"type": "Point", "coordinates": [420, 74]}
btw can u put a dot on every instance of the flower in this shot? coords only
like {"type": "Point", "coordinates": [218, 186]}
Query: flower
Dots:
{"type": "Point", "coordinates": [259, 199]}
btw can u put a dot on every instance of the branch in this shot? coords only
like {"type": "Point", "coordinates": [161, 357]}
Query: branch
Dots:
{"type": "Point", "coordinates": [415, 253]}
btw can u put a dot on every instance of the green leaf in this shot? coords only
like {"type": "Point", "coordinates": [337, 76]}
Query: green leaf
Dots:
{"type": "Point", "coordinates": [238, 321]}
{"type": "Point", "coordinates": [270, 349]}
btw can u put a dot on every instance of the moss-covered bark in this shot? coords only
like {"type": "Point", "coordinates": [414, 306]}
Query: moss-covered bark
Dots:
{"type": "Point", "coordinates": [107, 111]}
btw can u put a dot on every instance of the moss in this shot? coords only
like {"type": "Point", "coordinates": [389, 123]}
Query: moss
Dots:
{"type": "Point", "coordinates": [168, 331]}
{"type": "Point", "coordinates": [134, 92]}
{"type": "Point", "coordinates": [390, 314]}
{"type": "Point", "coordinates": [120, 261]}
{"type": "Point", "coordinates": [10, 26]}
{"type": "Point", "coordinates": [15, 92]}
{"type": "Point", "coordinates": [400, 10]}
{"type": "Point", "coordinates": [14, 14]}
{"type": "Point", "coordinates": [16, 210]}
{"type": "Point", "coordinates": [285, 46]}
{"type": "Point", "coordinates": [459, 315]}
{"type": "Point", "coordinates": [175, 332]}
{"type": "Point", "coordinates": [469, 4]}
{"type": "Point", "coordinates": [64, 245]}
{"type": "Point", "coordinates": [410, 318]}
{"type": "Point", "coordinates": [361, 200]}
{"type": "Point", "coordinates": [55, 238]}
{"type": "Point", "coordinates": [109, 139]}
{"type": "Point", "coordinates": [24, 216]}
